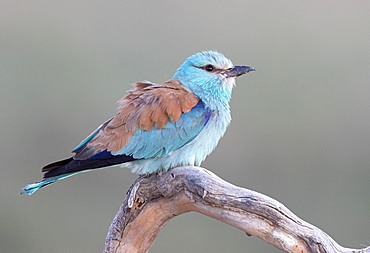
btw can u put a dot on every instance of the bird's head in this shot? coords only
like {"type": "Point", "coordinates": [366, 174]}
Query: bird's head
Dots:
{"type": "Point", "coordinates": [210, 76]}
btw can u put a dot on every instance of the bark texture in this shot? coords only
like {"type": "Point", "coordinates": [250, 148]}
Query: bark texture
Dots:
{"type": "Point", "coordinates": [153, 200]}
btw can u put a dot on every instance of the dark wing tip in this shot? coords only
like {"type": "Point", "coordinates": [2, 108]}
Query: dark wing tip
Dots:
{"type": "Point", "coordinates": [55, 165]}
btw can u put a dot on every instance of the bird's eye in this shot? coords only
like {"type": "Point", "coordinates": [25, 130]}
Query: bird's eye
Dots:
{"type": "Point", "coordinates": [208, 68]}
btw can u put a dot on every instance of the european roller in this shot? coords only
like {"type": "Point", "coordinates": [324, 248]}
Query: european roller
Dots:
{"type": "Point", "coordinates": [159, 126]}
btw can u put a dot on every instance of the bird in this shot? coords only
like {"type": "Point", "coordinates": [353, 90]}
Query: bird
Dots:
{"type": "Point", "coordinates": [159, 126]}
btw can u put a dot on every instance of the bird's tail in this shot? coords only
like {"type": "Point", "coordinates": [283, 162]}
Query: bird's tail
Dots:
{"type": "Point", "coordinates": [31, 188]}
{"type": "Point", "coordinates": [68, 167]}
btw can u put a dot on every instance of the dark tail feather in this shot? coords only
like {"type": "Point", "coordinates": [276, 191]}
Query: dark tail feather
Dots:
{"type": "Point", "coordinates": [57, 164]}
{"type": "Point", "coordinates": [72, 166]}
{"type": "Point", "coordinates": [69, 167]}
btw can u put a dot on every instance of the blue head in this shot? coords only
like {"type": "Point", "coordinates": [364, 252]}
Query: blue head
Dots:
{"type": "Point", "coordinates": [210, 76]}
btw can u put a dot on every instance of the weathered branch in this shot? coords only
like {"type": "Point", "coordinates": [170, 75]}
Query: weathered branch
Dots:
{"type": "Point", "coordinates": [153, 200]}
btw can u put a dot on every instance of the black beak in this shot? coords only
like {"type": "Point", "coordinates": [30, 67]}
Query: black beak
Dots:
{"type": "Point", "coordinates": [239, 70]}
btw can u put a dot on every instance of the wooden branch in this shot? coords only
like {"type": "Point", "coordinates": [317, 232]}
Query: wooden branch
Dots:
{"type": "Point", "coordinates": [153, 200]}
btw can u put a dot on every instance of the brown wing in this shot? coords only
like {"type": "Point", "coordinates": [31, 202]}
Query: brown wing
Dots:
{"type": "Point", "coordinates": [148, 105]}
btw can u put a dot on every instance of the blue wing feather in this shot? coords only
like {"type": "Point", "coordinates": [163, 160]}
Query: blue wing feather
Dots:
{"type": "Point", "coordinates": [159, 142]}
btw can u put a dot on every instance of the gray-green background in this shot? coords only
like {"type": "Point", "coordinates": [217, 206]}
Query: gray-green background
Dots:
{"type": "Point", "coordinates": [300, 130]}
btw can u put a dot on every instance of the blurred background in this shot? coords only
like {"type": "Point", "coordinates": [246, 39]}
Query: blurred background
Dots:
{"type": "Point", "coordinates": [301, 123]}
